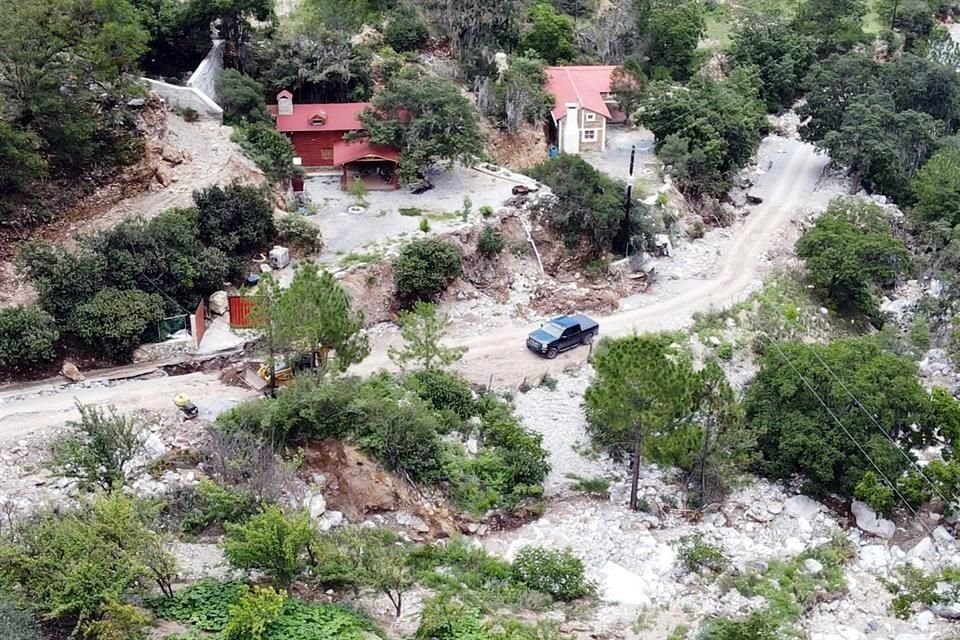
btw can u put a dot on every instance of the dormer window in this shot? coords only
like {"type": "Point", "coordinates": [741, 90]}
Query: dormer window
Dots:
{"type": "Point", "coordinates": [318, 119]}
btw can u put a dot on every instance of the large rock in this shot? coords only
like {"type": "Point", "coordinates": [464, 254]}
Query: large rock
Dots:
{"type": "Point", "coordinates": [164, 176]}
{"type": "Point", "coordinates": [316, 504]}
{"type": "Point", "coordinates": [171, 154]}
{"type": "Point", "coordinates": [869, 521]}
{"type": "Point", "coordinates": [218, 304]}
{"type": "Point", "coordinates": [802, 507]}
{"type": "Point", "coordinates": [874, 556]}
{"type": "Point", "coordinates": [70, 372]}
{"type": "Point", "coordinates": [154, 447]}
{"type": "Point", "coordinates": [623, 586]}
{"type": "Point", "coordinates": [405, 519]}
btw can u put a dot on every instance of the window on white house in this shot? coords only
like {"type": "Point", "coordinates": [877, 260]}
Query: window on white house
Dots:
{"type": "Point", "coordinates": [589, 116]}
{"type": "Point", "coordinates": [589, 135]}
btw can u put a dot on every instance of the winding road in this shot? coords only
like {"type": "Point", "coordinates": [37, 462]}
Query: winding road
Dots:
{"type": "Point", "coordinates": [788, 187]}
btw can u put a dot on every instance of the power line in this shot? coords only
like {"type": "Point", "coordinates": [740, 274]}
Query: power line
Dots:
{"type": "Point", "coordinates": [850, 435]}
{"type": "Point", "coordinates": [895, 444]}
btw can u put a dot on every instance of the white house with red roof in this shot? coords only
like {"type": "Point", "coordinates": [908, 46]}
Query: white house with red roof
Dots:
{"type": "Point", "coordinates": [584, 105]}
{"type": "Point", "coordinates": [317, 132]}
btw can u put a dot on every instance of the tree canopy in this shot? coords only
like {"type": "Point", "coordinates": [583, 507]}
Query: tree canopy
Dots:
{"type": "Point", "coordinates": [849, 252]}
{"type": "Point", "coordinates": [427, 118]}
{"type": "Point", "coordinates": [782, 57]}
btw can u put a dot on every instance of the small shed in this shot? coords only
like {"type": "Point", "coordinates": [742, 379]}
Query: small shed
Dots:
{"type": "Point", "coordinates": [374, 164]}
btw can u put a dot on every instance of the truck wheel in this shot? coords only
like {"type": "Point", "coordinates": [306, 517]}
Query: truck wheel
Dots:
{"type": "Point", "coordinates": [586, 338]}
{"type": "Point", "coordinates": [551, 353]}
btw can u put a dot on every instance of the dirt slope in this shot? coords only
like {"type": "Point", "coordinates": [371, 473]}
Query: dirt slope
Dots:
{"type": "Point", "coordinates": [788, 187]}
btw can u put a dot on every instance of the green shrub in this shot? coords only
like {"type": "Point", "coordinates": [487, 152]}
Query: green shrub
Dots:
{"type": "Point", "coordinates": [255, 610]}
{"type": "Point", "coordinates": [444, 391]}
{"type": "Point", "coordinates": [593, 486]}
{"type": "Point", "coordinates": [756, 626]}
{"type": "Point", "coordinates": [204, 604]}
{"type": "Point", "coordinates": [910, 586]}
{"type": "Point", "coordinates": [270, 149]}
{"type": "Point", "coordinates": [237, 218]}
{"type": "Point", "coordinates": [490, 242]}
{"type": "Point", "coordinates": [115, 322]}
{"type": "Point", "coordinates": [696, 555]}
{"type": "Point", "coordinates": [116, 621]}
{"type": "Point", "coordinates": [405, 30]}
{"type": "Point", "coordinates": [16, 623]}
{"type": "Point", "coordinates": [486, 211]}
{"type": "Point", "coordinates": [97, 448]}
{"type": "Point", "coordinates": [218, 503]}
{"type": "Point", "coordinates": [405, 438]}
{"type": "Point", "coordinates": [358, 189]}
{"type": "Point", "coordinates": [73, 567]}
{"type": "Point", "coordinates": [28, 337]}
{"type": "Point", "coordinates": [424, 225]}
{"type": "Point", "coordinates": [557, 573]}
{"type": "Point", "coordinates": [296, 231]}
{"type": "Point", "coordinates": [725, 351]}
{"type": "Point", "coordinates": [425, 268]}
{"type": "Point", "coordinates": [410, 211]}
{"type": "Point", "coordinates": [272, 542]}
{"type": "Point", "coordinates": [876, 493]}
{"type": "Point", "coordinates": [190, 114]}
{"type": "Point", "coordinates": [242, 99]}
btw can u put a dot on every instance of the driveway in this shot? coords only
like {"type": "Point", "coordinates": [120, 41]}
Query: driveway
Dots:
{"type": "Point", "coordinates": [615, 159]}
{"type": "Point", "coordinates": [381, 219]}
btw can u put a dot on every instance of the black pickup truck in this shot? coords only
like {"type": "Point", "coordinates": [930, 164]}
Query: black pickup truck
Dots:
{"type": "Point", "coordinates": [560, 334]}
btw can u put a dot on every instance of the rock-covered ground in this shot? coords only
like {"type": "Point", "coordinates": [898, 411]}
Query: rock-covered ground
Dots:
{"type": "Point", "coordinates": [633, 559]}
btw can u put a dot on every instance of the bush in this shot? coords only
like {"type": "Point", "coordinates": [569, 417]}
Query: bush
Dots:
{"type": "Point", "coordinates": [444, 391]}
{"type": "Point", "coordinates": [696, 555]}
{"type": "Point", "coordinates": [424, 225]}
{"type": "Point", "coordinates": [64, 280]}
{"type": "Point", "coordinates": [486, 211]}
{"type": "Point", "coordinates": [98, 449]}
{"type": "Point", "coordinates": [405, 438]}
{"type": "Point", "coordinates": [218, 503]}
{"type": "Point", "coordinates": [490, 242]}
{"type": "Point", "coordinates": [272, 542]}
{"type": "Point", "coordinates": [190, 114]}
{"type": "Point", "coordinates": [270, 149]}
{"type": "Point", "coordinates": [115, 322]}
{"type": "Point", "coordinates": [28, 336]}
{"type": "Point", "coordinates": [74, 567]}
{"type": "Point", "coordinates": [557, 573]}
{"type": "Point", "coordinates": [425, 268]}
{"type": "Point", "coordinates": [405, 30]}
{"type": "Point", "coordinates": [237, 219]}
{"type": "Point", "coordinates": [253, 613]}
{"type": "Point", "coordinates": [242, 99]}
{"type": "Point", "coordinates": [298, 232]}
{"type": "Point", "coordinates": [16, 623]}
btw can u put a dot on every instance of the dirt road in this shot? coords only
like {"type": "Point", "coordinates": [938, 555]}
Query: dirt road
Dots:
{"type": "Point", "coordinates": [23, 415]}
{"type": "Point", "coordinates": [787, 187]}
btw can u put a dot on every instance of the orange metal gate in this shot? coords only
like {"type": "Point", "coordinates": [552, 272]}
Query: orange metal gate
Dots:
{"type": "Point", "coordinates": [240, 308]}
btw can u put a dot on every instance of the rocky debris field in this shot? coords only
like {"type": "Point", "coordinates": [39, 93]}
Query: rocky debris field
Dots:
{"type": "Point", "coordinates": [633, 558]}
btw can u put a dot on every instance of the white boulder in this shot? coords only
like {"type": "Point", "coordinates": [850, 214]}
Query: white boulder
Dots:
{"type": "Point", "coordinates": [316, 504]}
{"type": "Point", "coordinates": [802, 507]}
{"type": "Point", "coordinates": [868, 520]}
{"type": "Point", "coordinates": [218, 304]}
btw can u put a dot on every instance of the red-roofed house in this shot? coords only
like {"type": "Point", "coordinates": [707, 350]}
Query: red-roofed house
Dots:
{"type": "Point", "coordinates": [584, 105]}
{"type": "Point", "coordinates": [317, 132]}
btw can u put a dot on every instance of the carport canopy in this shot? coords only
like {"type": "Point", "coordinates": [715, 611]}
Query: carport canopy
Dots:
{"type": "Point", "coordinates": [363, 151]}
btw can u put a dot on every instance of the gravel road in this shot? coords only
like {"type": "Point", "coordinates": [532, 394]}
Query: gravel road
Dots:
{"type": "Point", "coordinates": [789, 187]}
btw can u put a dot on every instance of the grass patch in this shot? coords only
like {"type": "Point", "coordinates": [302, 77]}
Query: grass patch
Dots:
{"type": "Point", "coordinates": [597, 487]}
{"type": "Point", "coordinates": [357, 257]}
{"type": "Point", "coordinates": [911, 587]}
{"type": "Point", "coordinates": [411, 211]}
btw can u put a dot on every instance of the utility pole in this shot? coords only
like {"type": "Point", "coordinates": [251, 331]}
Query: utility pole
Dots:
{"type": "Point", "coordinates": [625, 230]}
{"type": "Point", "coordinates": [893, 19]}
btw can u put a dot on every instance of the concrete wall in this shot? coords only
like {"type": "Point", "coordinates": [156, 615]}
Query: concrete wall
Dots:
{"type": "Point", "coordinates": [205, 76]}
{"type": "Point", "coordinates": [186, 97]}
{"type": "Point", "coordinates": [598, 125]}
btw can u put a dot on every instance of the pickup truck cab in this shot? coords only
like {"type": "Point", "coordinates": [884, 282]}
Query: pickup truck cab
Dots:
{"type": "Point", "coordinates": [561, 334]}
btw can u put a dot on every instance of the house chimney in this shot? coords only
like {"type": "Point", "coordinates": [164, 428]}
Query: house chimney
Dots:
{"type": "Point", "coordinates": [285, 103]}
{"type": "Point", "coordinates": [570, 141]}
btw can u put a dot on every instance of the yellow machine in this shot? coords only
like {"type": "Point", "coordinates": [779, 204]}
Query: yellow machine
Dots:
{"type": "Point", "coordinates": [183, 403]}
{"type": "Point", "coordinates": [257, 376]}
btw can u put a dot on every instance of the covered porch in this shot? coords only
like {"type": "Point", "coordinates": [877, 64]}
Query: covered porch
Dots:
{"type": "Point", "coordinates": [375, 164]}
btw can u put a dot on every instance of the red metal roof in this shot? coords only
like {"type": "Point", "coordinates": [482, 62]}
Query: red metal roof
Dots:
{"type": "Point", "coordinates": [344, 152]}
{"type": "Point", "coordinates": [581, 84]}
{"type": "Point", "coordinates": [336, 117]}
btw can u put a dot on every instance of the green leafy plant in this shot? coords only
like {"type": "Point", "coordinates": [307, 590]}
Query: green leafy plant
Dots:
{"type": "Point", "coordinates": [190, 114]}
{"type": "Point", "coordinates": [205, 604]}
{"type": "Point", "coordinates": [270, 149]}
{"type": "Point", "coordinates": [425, 268]}
{"type": "Point", "coordinates": [256, 609]}
{"type": "Point", "coordinates": [97, 451]}
{"type": "Point", "coordinates": [554, 572]}
{"type": "Point", "coordinates": [410, 211]}
{"type": "Point", "coordinates": [358, 189]}
{"type": "Point", "coordinates": [115, 321]}
{"type": "Point", "coordinates": [490, 242]}
{"type": "Point", "coordinates": [422, 328]}
{"type": "Point", "coordinates": [28, 337]}
{"type": "Point", "coordinates": [298, 232]}
{"type": "Point", "coordinates": [273, 542]}
{"type": "Point", "coordinates": [696, 555]}
{"type": "Point", "coordinates": [486, 211]}
{"type": "Point", "coordinates": [217, 503]}
{"type": "Point", "coordinates": [424, 225]}
{"type": "Point", "coordinates": [593, 486]}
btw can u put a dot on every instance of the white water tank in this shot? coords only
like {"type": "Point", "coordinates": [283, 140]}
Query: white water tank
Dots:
{"type": "Point", "coordinates": [279, 257]}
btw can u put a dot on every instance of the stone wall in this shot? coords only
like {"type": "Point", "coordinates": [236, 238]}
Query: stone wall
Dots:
{"type": "Point", "coordinates": [205, 76]}
{"type": "Point", "coordinates": [200, 92]}
{"type": "Point", "coordinates": [186, 97]}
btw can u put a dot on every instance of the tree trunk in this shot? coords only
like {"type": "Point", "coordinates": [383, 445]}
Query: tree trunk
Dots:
{"type": "Point", "coordinates": [635, 481]}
